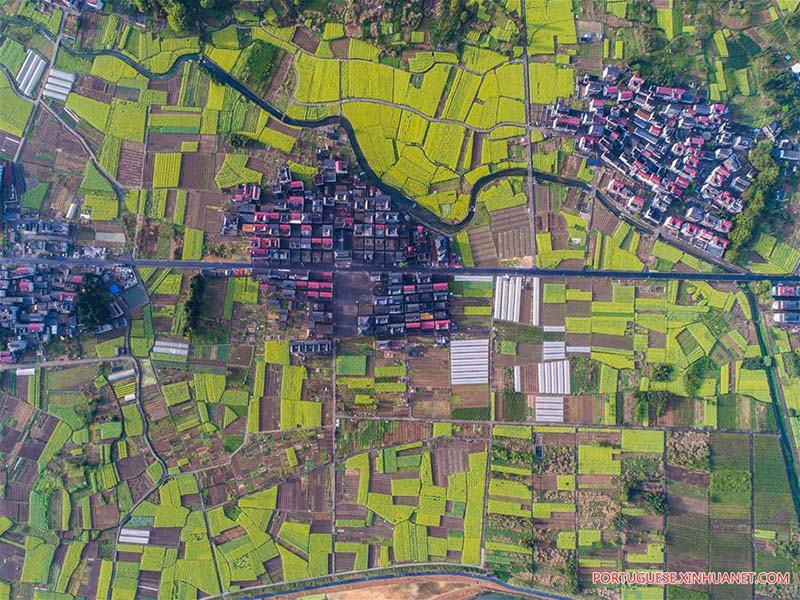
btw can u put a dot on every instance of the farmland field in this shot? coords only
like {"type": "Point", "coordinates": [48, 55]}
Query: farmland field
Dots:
{"type": "Point", "coordinates": [235, 428]}
{"type": "Point", "coordinates": [480, 90]}
{"type": "Point", "coordinates": [591, 496]}
{"type": "Point", "coordinates": [14, 112]}
{"type": "Point", "coordinates": [167, 170]}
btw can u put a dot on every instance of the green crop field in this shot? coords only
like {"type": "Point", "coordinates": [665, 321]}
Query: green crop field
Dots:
{"type": "Point", "coordinates": [175, 393]}
{"type": "Point", "coordinates": [127, 120]}
{"type": "Point", "coordinates": [351, 365]}
{"type": "Point", "coordinates": [114, 69]}
{"type": "Point", "coordinates": [109, 155]}
{"type": "Point", "coordinates": [192, 244]}
{"type": "Point", "coordinates": [34, 197]}
{"type": "Point", "coordinates": [167, 169]}
{"type": "Point", "coordinates": [169, 122]}
{"type": "Point", "coordinates": [93, 112]}
{"type": "Point", "coordinates": [257, 465]}
{"type": "Point", "coordinates": [12, 55]}
{"type": "Point", "coordinates": [14, 111]}
{"type": "Point", "coordinates": [234, 171]}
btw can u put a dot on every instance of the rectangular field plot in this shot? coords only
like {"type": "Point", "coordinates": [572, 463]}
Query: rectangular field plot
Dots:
{"type": "Point", "coordinates": [774, 513]}
{"type": "Point", "coordinates": [370, 381]}
{"type": "Point", "coordinates": [709, 489]}
{"type": "Point", "coordinates": [417, 502]}
{"type": "Point", "coordinates": [510, 536]}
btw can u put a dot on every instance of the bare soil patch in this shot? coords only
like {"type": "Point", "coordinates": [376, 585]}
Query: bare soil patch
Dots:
{"type": "Point", "coordinates": [306, 39]}
{"type": "Point", "coordinates": [131, 159]}
{"type": "Point", "coordinates": [198, 171]}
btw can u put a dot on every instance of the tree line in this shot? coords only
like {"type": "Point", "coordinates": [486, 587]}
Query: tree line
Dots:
{"type": "Point", "coordinates": [758, 200]}
{"type": "Point", "coordinates": [179, 13]}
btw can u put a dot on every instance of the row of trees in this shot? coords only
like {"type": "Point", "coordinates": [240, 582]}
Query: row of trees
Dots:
{"type": "Point", "coordinates": [192, 307]}
{"type": "Point", "coordinates": [758, 198]}
{"type": "Point", "coordinates": [179, 13]}
{"type": "Point", "coordinates": [92, 301]}
{"type": "Point", "coordinates": [449, 25]}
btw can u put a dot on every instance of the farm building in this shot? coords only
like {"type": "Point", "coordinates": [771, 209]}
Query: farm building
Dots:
{"type": "Point", "coordinates": [134, 536]}
{"type": "Point", "coordinates": [310, 347]}
{"type": "Point", "coordinates": [171, 348]}
{"type": "Point", "coordinates": [30, 73]}
{"type": "Point", "coordinates": [554, 377]}
{"type": "Point", "coordinates": [549, 409]}
{"type": "Point", "coordinates": [508, 298]}
{"type": "Point", "coordinates": [59, 84]}
{"type": "Point", "coordinates": [118, 378]}
{"type": "Point", "coordinates": [554, 350]}
{"type": "Point", "coordinates": [537, 299]}
{"type": "Point", "coordinates": [469, 362]}
{"type": "Point", "coordinates": [517, 378]}
{"type": "Point", "coordinates": [785, 299]}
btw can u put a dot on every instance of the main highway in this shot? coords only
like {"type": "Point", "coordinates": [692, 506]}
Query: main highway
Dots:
{"type": "Point", "coordinates": [264, 266]}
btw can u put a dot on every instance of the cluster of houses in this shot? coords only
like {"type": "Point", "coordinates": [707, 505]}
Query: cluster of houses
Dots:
{"type": "Point", "coordinates": [335, 218]}
{"type": "Point", "coordinates": [679, 161]}
{"type": "Point", "coordinates": [407, 303]}
{"type": "Point", "coordinates": [76, 4]}
{"type": "Point", "coordinates": [12, 186]}
{"type": "Point", "coordinates": [786, 304]}
{"type": "Point", "coordinates": [41, 237]}
{"type": "Point", "coordinates": [24, 229]}
{"type": "Point", "coordinates": [788, 151]}
{"type": "Point", "coordinates": [36, 304]}
{"type": "Point", "coordinates": [315, 290]}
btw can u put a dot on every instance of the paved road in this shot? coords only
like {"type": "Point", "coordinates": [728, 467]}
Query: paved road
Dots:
{"type": "Point", "coordinates": [526, 83]}
{"type": "Point", "coordinates": [61, 363]}
{"type": "Point", "coordinates": [354, 582]}
{"type": "Point", "coordinates": [407, 205]}
{"type": "Point", "coordinates": [416, 111]}
{"type": "Point", "coordinates": [264, 266]}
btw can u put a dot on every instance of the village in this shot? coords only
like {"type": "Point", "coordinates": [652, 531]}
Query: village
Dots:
{"type": "Point", "coordinates": [485, 298]}
{"type": "Point", "coordinates": [676, 159]}
{"type": "Point", "coordinates": [340, 218]}
{"type": "Point", "coordinates": [38, 305]}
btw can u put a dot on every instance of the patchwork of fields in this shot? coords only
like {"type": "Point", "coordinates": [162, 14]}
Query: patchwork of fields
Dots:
{"type": "Point", "coordinates": [430, 122]}
{"type": "Point", "coordinates": [604, 425]}
{"type": "Point", "coordinates": [255, 485]}
{"type": "Point", "coordinates": [430, 125]}
{"type": "Point", "coordinates": [543, 505]}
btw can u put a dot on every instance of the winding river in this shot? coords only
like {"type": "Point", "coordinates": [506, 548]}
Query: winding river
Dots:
{"type": "Point", "coordinates": [403, 202]}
